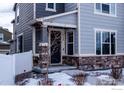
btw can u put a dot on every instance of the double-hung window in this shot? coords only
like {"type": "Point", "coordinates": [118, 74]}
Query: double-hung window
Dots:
{"type": "Point", "coordinates": [105, 42]}
{"type": "Point", "coordinates": [105, 8]}
{"type": "Point", "coordinates": [51, 7]}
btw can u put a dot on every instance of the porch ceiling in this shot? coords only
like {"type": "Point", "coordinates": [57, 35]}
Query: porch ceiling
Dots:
{"type": "Point", "coordinates": [67, 20]}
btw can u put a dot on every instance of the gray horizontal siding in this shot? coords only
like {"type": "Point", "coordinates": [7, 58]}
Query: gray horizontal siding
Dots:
{"type": "Point", "coordinates": [89, 21]}
{"type": "Point", "coordinates": [25, 15]}
{"type": "Point", "coordinates": [67, 19]}
{"type": "Point", "coordinates": [70, 6]}
{"type": "Point", "coordinates": [41, 9]}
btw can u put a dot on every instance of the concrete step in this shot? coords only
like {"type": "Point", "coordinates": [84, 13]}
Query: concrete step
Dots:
{"type": "Point", "coordinates": [53, 69]}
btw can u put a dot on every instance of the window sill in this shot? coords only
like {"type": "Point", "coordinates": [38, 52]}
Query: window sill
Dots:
{"type": "Point", "coordinates": [107, 55]}
{"type": "Point", "coordinates": [104, 14]}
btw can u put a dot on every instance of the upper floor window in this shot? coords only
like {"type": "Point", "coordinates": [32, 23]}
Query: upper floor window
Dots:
{"type": "Point", "coordinates": [1, 37]}
{"type": "Point", "coordinates": [105, 42]}
{"type": "Point", "coordinates": [105, 8]}
{"type": "Point", "coordinates": [17, 14]}
{"type": "Point", "coordinates": [51, 7]}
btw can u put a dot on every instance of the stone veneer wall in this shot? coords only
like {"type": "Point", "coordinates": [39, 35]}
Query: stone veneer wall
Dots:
{"type": "Point", "coordinates": [94, 62]}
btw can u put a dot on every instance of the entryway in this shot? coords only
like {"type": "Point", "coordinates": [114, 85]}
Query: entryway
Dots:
{"type": "Point", "coordinates": [56, 45]}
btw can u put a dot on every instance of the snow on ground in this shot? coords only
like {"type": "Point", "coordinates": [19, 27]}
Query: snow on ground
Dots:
{"type": "Point", "coordinates": [94, 76]}
{"type": "Point", "coordinates": [64, 78]}
{"type": "Point", "coordinates": [61, 79]}
{"type": "Point", "coordinates": [33, 81]}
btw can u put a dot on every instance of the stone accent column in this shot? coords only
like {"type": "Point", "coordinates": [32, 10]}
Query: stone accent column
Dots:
{"type": "Point", "coordinates": [43, 55]}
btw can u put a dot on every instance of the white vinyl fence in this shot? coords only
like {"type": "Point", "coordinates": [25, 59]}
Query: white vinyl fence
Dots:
{"type": "Point", "coordinates": [23, 61]}
{"type": "Point", "coordinates": [6, 70]}
{"type": "Point", "coordinates": [12, 65]}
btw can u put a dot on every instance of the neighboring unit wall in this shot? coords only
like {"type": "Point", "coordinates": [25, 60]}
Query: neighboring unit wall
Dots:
{"type": "Point", "coordinates": [70, 6]}
{"type": "Point", "coordinates": [12, 47]}
{"type": "Point", "coordinates": [6, 34]}
{"type": "Point", "coordinates": [89, 21]}
{"type": "Point", "coordinates": [25, 15]}
{"type": "Point", "coordinates": [41, 9]}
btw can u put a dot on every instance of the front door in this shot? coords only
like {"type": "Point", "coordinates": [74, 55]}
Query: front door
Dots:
{"type": "Point", "coordinates": [55, 47]}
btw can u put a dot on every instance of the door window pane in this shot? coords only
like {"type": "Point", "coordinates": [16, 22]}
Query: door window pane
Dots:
{"type": "Point", "coordinates": [70, 49]}
{"type": "Point", "coordinates": [70, 37]}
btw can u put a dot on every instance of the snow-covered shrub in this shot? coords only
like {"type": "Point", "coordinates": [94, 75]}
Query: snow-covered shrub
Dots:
{"type": "Point", "coordinates": [47, 82]}
{"type": "Point", "coordinates": [116, 72]}
{"type": "Point", "coordinates": [79, 79]}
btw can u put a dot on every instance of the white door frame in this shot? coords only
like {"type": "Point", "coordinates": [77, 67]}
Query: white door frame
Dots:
{"type": "Point", "coordinates": [62, 43]}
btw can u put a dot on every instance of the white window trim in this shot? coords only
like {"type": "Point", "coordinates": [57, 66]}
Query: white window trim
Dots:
{"type": "Point", "coordinates": [49, 9]}
{"type": "Point", "coordinates": [17, 48]}
{"type": "Point", "coordinates": [105, 30]}
{"type": "Point", "coordinates": [17, 11]}
{"type": "Point", "coordinates": [104, 14]}
{"type": "Point", "coordinates": [2, 37]}
{"type": "Point", "coordinates": [70, 43]}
